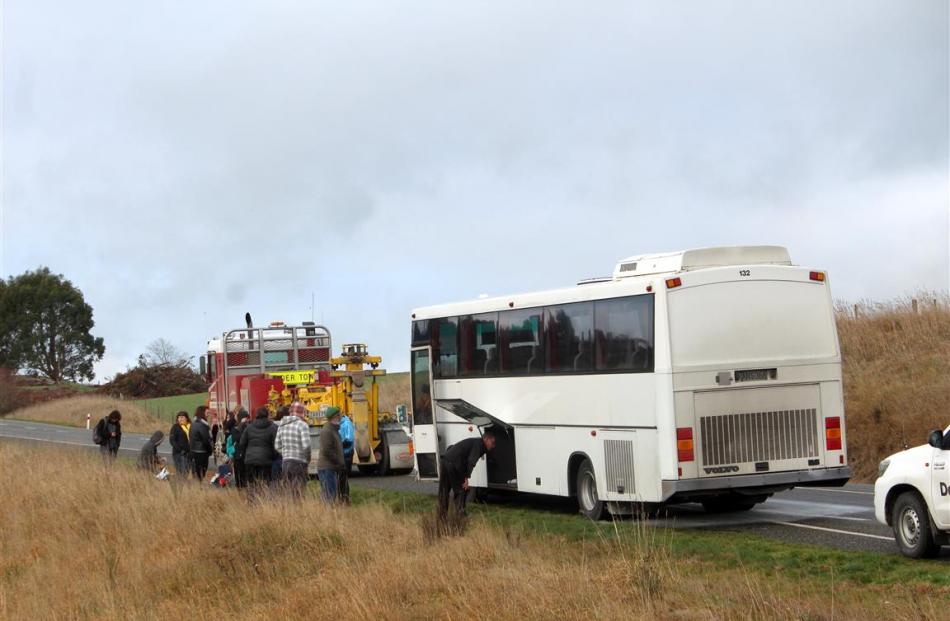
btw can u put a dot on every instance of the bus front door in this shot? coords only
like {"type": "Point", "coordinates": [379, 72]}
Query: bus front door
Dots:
{"type": "Point", "coordinates": [425, 436]}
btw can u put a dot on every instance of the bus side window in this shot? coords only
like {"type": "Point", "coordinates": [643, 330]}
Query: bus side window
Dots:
{"type": "Point", "coordinates": [477, 345]}
{"type": "Point", "coordinates": [569, 331]}
{"type": "Point", "coordinates": [446, 350]}
{"type": "Point", "coordinates": [520, 342]}
{"type": "Point", "coordinates": [623, 330]}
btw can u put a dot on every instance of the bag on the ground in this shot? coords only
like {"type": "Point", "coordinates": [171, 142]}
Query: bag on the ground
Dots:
{"type": "Point", "coordinates": [222, 477]}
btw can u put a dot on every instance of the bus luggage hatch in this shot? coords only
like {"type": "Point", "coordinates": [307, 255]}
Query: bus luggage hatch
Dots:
{"type": "Point", "coordinates": [474, 415]}
{"type": "Point", "coordinates": [501, 469]}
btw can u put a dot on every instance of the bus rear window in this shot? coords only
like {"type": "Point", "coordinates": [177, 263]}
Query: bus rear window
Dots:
{"type": "Point", "coordinates": [750, 323]}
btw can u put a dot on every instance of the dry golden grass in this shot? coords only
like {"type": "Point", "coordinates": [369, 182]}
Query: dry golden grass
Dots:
{"type": "Point", "coordinates": [896, 366]}
{"type": "Point", "coordinates": [72, 411]}
{"type": "Point", "coordinates": [87, 542]}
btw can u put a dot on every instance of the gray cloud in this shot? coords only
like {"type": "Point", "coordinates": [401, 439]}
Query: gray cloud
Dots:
{"type": "Point", "coordinates": [186, 162]}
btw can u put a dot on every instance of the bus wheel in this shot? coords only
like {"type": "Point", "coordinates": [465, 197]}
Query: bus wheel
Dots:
{"type": "Point", "coordinates": [587, 500]}
{"type": "Point", "coordinates": [912, 527]}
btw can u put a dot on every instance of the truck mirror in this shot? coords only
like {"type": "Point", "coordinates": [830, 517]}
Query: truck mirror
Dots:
{"type": "Point", "coordinates": [935, 439]}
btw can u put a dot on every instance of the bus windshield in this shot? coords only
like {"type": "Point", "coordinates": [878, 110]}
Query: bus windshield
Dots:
{"type": "Point", "coordinates": [751, 322]}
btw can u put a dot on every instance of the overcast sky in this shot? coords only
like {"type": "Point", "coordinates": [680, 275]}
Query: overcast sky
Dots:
{"type": "Point", "coordinates": [183, 162]}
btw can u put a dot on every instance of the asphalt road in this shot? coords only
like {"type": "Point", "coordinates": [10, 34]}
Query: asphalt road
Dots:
{"type": "Point", "coordinates": [840, 518]}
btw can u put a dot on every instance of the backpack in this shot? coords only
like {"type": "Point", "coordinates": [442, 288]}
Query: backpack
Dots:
{"type": "Point", "coordinates": [229, 447]}
{"type": "Point", "coordinates": [96, 435]}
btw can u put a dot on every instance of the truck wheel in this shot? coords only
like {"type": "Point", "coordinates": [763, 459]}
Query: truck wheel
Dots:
{"type": "Point", "coordinates": [912, 527]}
{"type": "Point", "coordinates": [588, 501]}
{"type": "Point", "coordinates": [384, 469]}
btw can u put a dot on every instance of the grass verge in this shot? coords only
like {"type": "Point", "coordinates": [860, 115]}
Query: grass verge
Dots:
{"type": "Point", "coordinates": [719, 549]}
{"type": "Point", "coordinates": [136, 548]}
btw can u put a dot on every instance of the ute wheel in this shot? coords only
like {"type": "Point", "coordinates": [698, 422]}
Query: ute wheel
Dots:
{"type": "Point", "coordinates": [730, 503]}
{"type": "Point", "coordinates": [588, 501]}
{"type": "Point", "coordinates": [912, 527]}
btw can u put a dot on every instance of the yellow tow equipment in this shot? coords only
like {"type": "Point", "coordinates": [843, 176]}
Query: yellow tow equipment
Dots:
{"type": "Point", "coordinates": [354, 390]}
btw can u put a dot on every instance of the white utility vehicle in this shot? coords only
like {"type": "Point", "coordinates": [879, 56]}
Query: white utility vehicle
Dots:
{"type": "Point", "coordinates": [912, 495]}
{"type": "Point", "coordinates": [710, 375]}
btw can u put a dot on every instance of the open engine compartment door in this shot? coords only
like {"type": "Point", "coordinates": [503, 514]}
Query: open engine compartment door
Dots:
{"type": "Point", "coordinates": [425, 434]}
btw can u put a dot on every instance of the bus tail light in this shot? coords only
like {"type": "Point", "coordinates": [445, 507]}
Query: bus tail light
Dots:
{"type": "Point", "coordinates": [672, 283]}
{"type": "Point", "coordinates": [817, 276]}
{"type": "Point", "coordinates": [684, 444]}
{"type": "Point", "coordinates": [833, 433]}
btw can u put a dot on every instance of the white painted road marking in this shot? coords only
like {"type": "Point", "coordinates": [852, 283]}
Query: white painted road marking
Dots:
{"type": "Point", "coordinates": [835, 530]}
{"type": "Point", "coordinates": [836, 490]}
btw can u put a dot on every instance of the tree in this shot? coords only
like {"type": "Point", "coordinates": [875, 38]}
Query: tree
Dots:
{"type": "Point", "coordinates": [161, 352]}
{"type": "Point", "coordinates": [45, 327]}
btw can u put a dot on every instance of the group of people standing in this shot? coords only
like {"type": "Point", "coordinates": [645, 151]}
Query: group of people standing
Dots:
{"type": "Point", "coordinates": [261, 453]}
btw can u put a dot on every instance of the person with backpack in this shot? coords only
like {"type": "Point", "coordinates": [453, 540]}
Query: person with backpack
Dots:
{"type": "Point", "coordinates": [234, 443]}
{"type": "Point", "coordinates": [199, 438]}
{"type": "Point", "coordinates": [108, 435]}
{"type": "Point", "coordinates": [348, 438]}
{"type": "Point", "coordinates": [257, 447]}
{"type": "Point", "coordinates": [178, 437]}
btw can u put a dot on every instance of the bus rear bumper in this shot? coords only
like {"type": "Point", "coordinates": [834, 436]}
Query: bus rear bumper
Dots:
{"type": "Point", "coordinates": [753, 484]}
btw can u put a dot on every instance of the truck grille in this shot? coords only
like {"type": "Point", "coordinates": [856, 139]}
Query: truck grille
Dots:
{"type": "Point", "coordinates": [759, 436]}
{"type": "Point", "coordinates": [619, 458]}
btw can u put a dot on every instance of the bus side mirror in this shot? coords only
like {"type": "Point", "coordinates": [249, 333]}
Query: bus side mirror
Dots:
{"type": "Point", "coordinates": [202, 367]}
{"type": "Point", "coordinates": [935, 439]}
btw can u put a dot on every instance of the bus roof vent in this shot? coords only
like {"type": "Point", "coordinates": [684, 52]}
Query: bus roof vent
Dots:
{"type": "Point", "coordinates": [701, 257]}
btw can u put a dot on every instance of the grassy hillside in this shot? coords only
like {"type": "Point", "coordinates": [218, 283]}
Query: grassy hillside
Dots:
{"type": "Point", "coordinates": [72, 411]}
{"type": "Point", "coordinates": [394, 390]}
{"type": "Point", "coordinates": [119, 556]}
{"type": "Point", "coordinates": [896, 376]}
{"type": "Point", "coordinates": [165, 408]}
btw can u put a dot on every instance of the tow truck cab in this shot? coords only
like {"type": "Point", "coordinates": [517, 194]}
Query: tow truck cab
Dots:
{"type": "Point", "coordinates": [912, 495]}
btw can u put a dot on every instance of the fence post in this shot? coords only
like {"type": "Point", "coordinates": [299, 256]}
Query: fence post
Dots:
{"type": "Point", "coordinates": [88, 418]}
{"type": "Point", "coordinates": [855, 311]}
{"type": "Point", "coordinates": [913, 305]}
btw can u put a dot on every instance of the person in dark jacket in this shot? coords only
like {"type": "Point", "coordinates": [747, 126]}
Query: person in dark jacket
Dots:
{"type": "Point", "coordinates": [257, 447]}
{"type": "Point", "coordinates": [148, 456]}
{"type": "Point", "coordinates": [181, 444]}
{"type": "Point", "coordinates": [199, 439]}
{"type": "Point", "coordinates": [240, 473]}
{"type": "Point", "coordinates": [109, 434]}
{"type": "Point", "coordinates": [331, 462]}
{"type": "Point", "coordinates": [456, 467]}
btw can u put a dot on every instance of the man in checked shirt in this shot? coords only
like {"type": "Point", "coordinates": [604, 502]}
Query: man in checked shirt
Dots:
{"type": "Point", "coordinates": [293, 443]}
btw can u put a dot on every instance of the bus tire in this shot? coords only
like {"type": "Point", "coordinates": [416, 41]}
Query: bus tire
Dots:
{"type": "Point", "coordinates": [588, 502]}
{"type": "Point", "coordinates": [912, 531]}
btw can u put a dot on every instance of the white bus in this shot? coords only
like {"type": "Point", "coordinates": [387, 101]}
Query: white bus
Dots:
{"type": "Point", "coordinates": [710, 375]}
